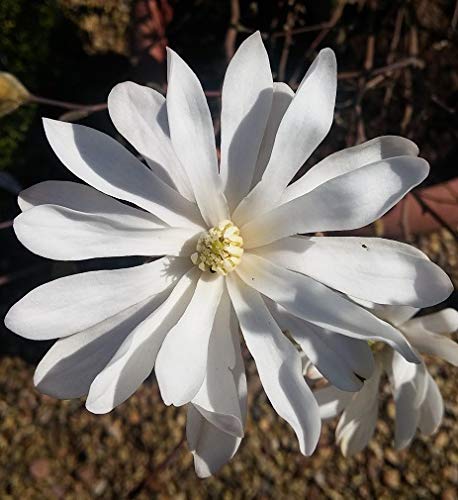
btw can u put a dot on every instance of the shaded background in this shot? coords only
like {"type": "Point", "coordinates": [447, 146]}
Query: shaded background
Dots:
{"type": "Point", "coordinates": [398, 74]}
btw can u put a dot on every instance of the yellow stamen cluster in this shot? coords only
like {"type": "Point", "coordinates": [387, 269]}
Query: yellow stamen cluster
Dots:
{"type": "Point", "coordinates": [220, 249]}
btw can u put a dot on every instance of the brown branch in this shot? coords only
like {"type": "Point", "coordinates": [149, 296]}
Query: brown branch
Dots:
{"type": "Point", "coordinates": [231, 35]}
{"type": "Point", "coordinates": [336, 15]}
{"type": "Point", "coordinates": [427, 209]}
{"type": "Point", "coordinates": [67, 105]}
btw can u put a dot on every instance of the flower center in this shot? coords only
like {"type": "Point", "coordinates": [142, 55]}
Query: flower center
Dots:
{"type": "Point", "coordinates": [220, 249]}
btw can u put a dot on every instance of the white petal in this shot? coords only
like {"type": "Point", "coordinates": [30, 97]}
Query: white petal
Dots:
{"type": "Point", "coordinates": [441, 322]}
{"type": "Point", "coordinates": [332, 401]}
{"type": "Point", "coordinates": [304, 125]}
{"type": "Point", "coordinates": [310, 300]}
{"type": "Point", "coordinates": [428, 334]}
{"type": "Point", "coordinates": [139, 113]}
{"type": "Point", "coordinates": [102, 162]}
{"type": "Point", "coordinates": [193, 138]}
{"type": "Point", "coordinates": [246, 103]}
{"type": "Point", "coordinates": [74, 303]}
{"type": "Point", "coordinates": [396, 315]}
{"type": "Point", "coordinates": [350, 159]}
{"type": "Point", "coordinates": [410, 383]}
{"type": "Point", "coordinates": [63, 234]}
{"type": "Point", "coordinates": [342, 360]}
{"type": "Point", "coordinates": [357, 423]}
{"type": "Point", "coordinates": [350, 201]}
{"type": "Point", "coordinates": [211, 447]}
{"type": "Point", "coordinates": [181, 364]}
{"type": "Point", "coordinates": [72, 363]}
{"type": "Point", "coordinates": [282, 97]}
{"type": "Point", "coordinates": [218, 399]}
{"type": "Point", "coordinates": [374, 269]}
{"type": "Point", "coordinates": [278, 364]}
{"type": "Point", "coordinates": [432, 409]}
{"type": "Point", "coordinates": [134, 360]}
{"type": "Point", "coordinates": [81, 198]}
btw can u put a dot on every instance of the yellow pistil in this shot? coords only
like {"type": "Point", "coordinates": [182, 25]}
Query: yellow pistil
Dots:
{"type": "Point", "coordinates": [220, 249]}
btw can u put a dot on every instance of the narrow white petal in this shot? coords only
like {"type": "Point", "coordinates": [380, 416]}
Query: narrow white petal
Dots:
{"type": "Point", "coordinates": [305, 124]}
{"type": "Point", "coordinates": [332, 401]}
{"type": "Point", "coordinates": [69, 367]}
{"type": "Point", "coordinates": [350, 201]}
{"type": "Point", "coordinates": [81, 198]}
{"type": "Point", "coordinates": [63, 234]}
{"type": "Point", "coordinates": [282, 97]}
{"type": "Point", "coordinates": [74, 303]}
{"type": "Point", "coordinates": [396, 315]}
{"type": "Point", "coordinates": [314, 302]}
{"type": "Point", "coordinates": [211, 447]}
{"type": "Point", "coordinates": [181, 364]}
{"type": "Point", "coordinates": [432, 409]}
{"type": "Point", "coordinates": [357, 423]}
{"type": "Point", "coordinates": [441, 322]}
{"type": "Point", "coordinates": [139, 113]}
{"type": "Point", "coordinates": [134, 360]}
{"type": "Point", "coordinates": [409, 382]}
{"type": "Point", "coordinates": [428, 334]}
{"type": "Point", "coordinates": [350, 159]}
{"type": "Point", "coordinates": [193, 138]}
{"type": "Point", "coordinates": [102, 162]}
{"type": "Point", "coordinates": [373, 269]}
{"type": "Point", "coordinates": [278, 364]}
{"type": "Point", "coordinates": [342, 360]}
{"type": "Point", "coordinates": [246, 103]}
{"type": "Point", "coordinates": [218, 398]}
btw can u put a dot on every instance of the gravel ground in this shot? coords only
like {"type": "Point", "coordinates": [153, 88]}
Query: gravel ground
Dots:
{"type": "Point", "coordinates": [56, 449]}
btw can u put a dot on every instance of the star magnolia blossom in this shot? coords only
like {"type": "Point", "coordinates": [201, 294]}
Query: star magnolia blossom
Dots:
{"type": "Point", "coordinates": [417, 398]}
{"type": "Point", "coordinates": [226, 235]}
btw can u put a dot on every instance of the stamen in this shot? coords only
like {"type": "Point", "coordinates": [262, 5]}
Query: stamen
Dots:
{"type": "Point", "coordinates": [220, 249]}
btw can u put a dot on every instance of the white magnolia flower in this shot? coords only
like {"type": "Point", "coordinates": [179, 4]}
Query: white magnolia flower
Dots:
{"type": "Point", "coordinates": [226, 235]}
{"type": "Point", "coordinates": [417, 398]}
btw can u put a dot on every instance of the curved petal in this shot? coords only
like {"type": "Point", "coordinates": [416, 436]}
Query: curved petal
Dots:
{"type": "Point", "coordinates": [139, 113]}
{"type": "Point", "coordinates": [69, 367]}
{"type": "Point", "coordinates": [193, 138]}
{"type": "Point", "coordinates": [304, 125]}
{"type": "Point", "coordinates": [74, 303]}
{"type": "Point", "coordinates": [441, 322]}
{"type": "Point", "coordinates": [211, 447]}
{"type": "Point", "coordinates": [134, 360]}
{"type": "Point", "coordinates": [357, 423]}
{"type": "Point", "coordinates": [310, 300]}
{"type": "Point", "coordinates": [344, 361]}
{"type": "Point", "coordinates": [63, 234]}
{"type": "Point", "coordinates": [428, 334]}
{"type": "Point", "coordinates": [350, 201]}
{"type": "Point", "coordinates": [282, 97]}
{"type": "Point", "coordinates": [332, 401]}
{"type": "Point", "coordinates": [102, 162]}
{"type": "Point", "coordinates": [350, 159]}
{"type": "Point", "coordinates": [410, 383]}
{"type": "Point", "coordinates": [246, 103]}
{"type": "Point", "coordinates": [373, 269]}
{"type": "Point", "coordinates": [278, 363]}
{"type": "Point", "coordinates": [218, 398]}
{"type": "Point", "coordinates": [81, 198]}
{"type": "Point", "coordinates": [432, 409]}
{"type": "Point", "coordinates": [395, 315]}
{"type": "Point", "coordinates": [181, 364]}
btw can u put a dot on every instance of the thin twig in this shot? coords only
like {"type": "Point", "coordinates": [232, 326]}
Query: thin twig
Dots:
{"type": "Point", "coordinates": [6, 224]}
{"type": "Point", "coordinates": [67, 105]}
{"type": "Point", "coordinates": [231, 35]}
{"type": "Point", "coordinates": [427, 209]}
{"type": "Point", "coordinates": [336, 15]}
